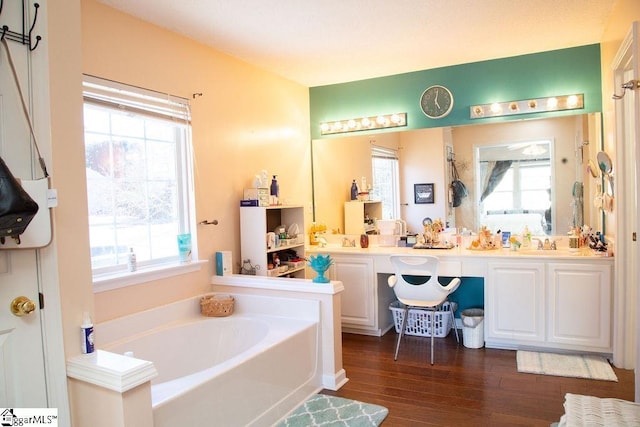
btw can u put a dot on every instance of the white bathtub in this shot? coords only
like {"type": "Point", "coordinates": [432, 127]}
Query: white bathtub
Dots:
{"type": "Point", "coordinates": [250, 368]}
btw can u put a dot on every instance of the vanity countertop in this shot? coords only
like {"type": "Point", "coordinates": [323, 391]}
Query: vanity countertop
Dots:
{"type": "Point", "coordinates": [561, 253]}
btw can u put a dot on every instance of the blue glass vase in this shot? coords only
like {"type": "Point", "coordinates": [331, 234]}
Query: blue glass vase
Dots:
{"type": "Point", "coordinates": [320, 264]}
{"type": "Point", "coordinates": [320, 278]}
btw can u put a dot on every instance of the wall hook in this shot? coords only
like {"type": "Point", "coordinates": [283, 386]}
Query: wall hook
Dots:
{"type": "Point", "coordinates": [630, 85]}
{"type": "Point", "coordinates": [33, 24]}
{"type": "Point", "coordinates": [24, 38]}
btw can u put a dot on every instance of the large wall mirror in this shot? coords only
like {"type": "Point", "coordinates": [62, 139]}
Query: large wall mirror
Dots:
{"type": "Point", "coordinates": [563, 197]}
{"type": "Point", "coordinates": [515, 186]}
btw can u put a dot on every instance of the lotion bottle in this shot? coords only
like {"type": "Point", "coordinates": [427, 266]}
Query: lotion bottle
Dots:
{"type": "Point", "coordinates": [87, 334]}
{"type": "Point", "coordinates": [132, 262]}
{"type": "Point", "coordinates": [526, 237]}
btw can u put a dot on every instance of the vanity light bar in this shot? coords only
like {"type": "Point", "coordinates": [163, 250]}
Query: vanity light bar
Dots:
{"type": "Point", "coordinates": [382, 121]}
{"type": "Point", "coordinates": [536, 105]}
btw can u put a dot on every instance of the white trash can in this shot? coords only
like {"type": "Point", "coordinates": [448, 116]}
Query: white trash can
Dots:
{"type": "Point", "coordinates": [473, 327]}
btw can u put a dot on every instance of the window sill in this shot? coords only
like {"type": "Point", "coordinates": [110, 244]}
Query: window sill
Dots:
{"type": "Point", "coordinates": [109, 282]}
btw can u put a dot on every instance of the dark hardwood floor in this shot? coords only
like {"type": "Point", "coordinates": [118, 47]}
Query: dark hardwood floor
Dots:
{"type": "Point", "coordinates": [465, 387]}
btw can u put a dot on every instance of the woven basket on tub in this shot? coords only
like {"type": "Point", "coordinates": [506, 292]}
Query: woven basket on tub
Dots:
{"type": "Point", "coordinates": [217, 305]}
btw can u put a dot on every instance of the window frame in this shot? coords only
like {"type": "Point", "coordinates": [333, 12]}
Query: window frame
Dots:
{"type": "Point", "coordinates": [150, 105]}
{"type": "Point", "coordinates": [378, 152]}
{"type": "Point", "coordinates": [481, 154]}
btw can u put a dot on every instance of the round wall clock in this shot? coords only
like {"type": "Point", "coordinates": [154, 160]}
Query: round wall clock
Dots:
{"type": "Point", "coordinates": [436, 102]}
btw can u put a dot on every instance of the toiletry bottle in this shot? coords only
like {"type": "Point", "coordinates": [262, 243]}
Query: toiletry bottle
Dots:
{"type": "Point", "coordinates": [354, 190]}
{"type": "Point", "coordinates": [313, 234]}
{"type": "Point", "coordinates": [526, 237]}
{"type": "Point", "coordinates": [132, 262]}
{"type": "Point", "coordinates": [275, 188]}
{"type": "Point", "coordinates": [87, 334]}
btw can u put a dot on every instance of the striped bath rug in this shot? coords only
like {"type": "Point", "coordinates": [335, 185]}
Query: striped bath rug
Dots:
{"type": "Point", "coordinates": [565, 365]}
{"type": "Point", "coordinates": [325, 410]}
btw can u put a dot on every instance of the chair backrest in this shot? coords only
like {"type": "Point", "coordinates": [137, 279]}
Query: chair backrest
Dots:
{"type": "Point", "coordinates": [417, 280]}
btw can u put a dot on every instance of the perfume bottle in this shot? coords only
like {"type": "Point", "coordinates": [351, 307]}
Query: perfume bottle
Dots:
{"type": "Point", "coordinates": [275, 188]}
{"type": "Point", "coordinates": [354, 190]}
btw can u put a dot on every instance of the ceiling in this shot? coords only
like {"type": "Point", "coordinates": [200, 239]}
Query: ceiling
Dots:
{"type": "Point", "coordinates": [333, 41]}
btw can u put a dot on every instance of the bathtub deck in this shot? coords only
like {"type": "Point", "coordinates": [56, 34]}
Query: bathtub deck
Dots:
{"type": "Point", "coordinates": [463, 386]}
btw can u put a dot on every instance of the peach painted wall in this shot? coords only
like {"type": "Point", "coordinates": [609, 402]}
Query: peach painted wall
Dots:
{"type": "Point", "coordinates": [70, 248]}
{"type": "Point", "coordinates": [246, 120]}
{"type": "Point", "coordinates": [422, 160]}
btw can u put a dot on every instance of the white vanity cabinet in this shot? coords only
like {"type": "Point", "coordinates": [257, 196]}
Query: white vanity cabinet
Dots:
{"type": "Point", "coordinates": [554, 305]}
{"type": "Point", "coordinates": [579, 305]}
{"type": "Point", "coordinates": [549, 300]}
{"type": "Point", "coordinates": [365, 302]}
{"type": "Point", "coordinates": [514, 302]}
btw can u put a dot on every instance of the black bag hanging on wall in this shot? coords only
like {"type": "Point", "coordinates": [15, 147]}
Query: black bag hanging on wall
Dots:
{"type": "Point", "coordinates": [458, 189]}
{"type": "Point", "coordinates": [17, 208]}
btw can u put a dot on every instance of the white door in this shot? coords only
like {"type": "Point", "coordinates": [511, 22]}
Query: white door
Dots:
{"type": "Point", "coordinates": [626, 68]}
{"type": "Point", "coordinates": [22, 370]}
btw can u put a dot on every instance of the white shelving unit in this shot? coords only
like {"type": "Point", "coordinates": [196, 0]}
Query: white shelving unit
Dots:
{"type": "Point", "coordinates": [256, 222]}
{"type": "Point", "coordinates": [355, 213]}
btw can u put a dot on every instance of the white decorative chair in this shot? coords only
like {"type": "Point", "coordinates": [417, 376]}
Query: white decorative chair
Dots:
{"type": "Point", "coordinates": [416, 285]}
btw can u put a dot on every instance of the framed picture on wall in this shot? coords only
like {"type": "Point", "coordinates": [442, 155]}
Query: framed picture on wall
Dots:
{"type": "Point", "coordinates": [423, 193]}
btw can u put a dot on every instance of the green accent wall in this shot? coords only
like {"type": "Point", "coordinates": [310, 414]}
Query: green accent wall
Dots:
{"type": "Point", "coordinates": [558, 72]}
{"type": "Point", "coordinates": [470, 293]}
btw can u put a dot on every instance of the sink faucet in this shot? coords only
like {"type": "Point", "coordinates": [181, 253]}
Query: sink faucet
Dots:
{"type": "Point", "coordinates": [322, 242]}
{"type": "Point", "coordinates": [540, 245]}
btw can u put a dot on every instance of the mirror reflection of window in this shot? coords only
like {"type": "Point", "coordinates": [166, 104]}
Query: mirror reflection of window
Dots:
{"type": "Point", "coordinates": [386, 181]}
{"type": "Point", "coordinates": [515, 187]}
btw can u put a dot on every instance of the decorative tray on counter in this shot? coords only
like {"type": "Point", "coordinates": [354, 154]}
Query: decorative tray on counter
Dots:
{"type": "Point", "coordinates": [479, 249]}
{"type": "Point", "coordinates": [438, 246]}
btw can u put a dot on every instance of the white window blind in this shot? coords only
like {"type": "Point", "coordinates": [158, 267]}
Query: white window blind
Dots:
{"type": "Point", "coordinates": [135, 100]}
{"type": "Point", "coordinates": [384, 153]}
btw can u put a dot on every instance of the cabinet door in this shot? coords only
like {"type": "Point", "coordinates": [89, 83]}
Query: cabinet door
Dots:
{"type": "Point", "coordinates": [579, 297]}
{"type": "Point", "coordinates": [358, 297]}
{"type": "Point", "coordinates": [514, 306]}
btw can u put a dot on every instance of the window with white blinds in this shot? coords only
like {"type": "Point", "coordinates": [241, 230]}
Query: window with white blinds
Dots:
{"type": "Point", "coordinates": [386, 181]}
{"type": "Point", "coordinates": [139, 174]}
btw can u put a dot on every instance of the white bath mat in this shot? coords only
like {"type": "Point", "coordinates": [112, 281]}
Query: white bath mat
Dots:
{"type": "Point", "coordinates": [594, 411]}
{"type": "Point", "coordinates": [565, 365]}
{"type": "Point", "coordinates": [325, 410]}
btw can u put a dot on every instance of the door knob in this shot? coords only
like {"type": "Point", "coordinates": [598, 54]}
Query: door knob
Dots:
{"type": "Point", "coordinates": [21, 306]}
